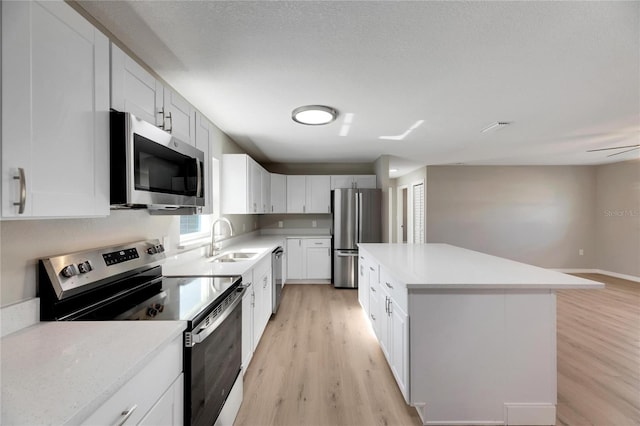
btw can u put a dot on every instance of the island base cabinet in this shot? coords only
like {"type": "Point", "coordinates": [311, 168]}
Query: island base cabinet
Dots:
{"type": "Point", "coordinates": [492, 352]}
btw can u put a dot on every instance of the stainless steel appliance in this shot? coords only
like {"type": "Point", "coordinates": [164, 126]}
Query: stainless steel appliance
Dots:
{"type": "Point", "coordinates": [356, 219]}
{"type": "Point", "coordinates": [276, 277]}
{"type": "Point", "coordinates": [152, 169]}
{"type": "Point", "coordinates": [125, 283]}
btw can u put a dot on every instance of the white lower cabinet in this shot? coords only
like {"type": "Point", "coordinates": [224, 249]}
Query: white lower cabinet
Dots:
{"type": "Point", "coordinates": [309, 258]}
{"type": "Point", "coordinates": [154, 396]}
{"type": "Point", "coordinates": [363, 284]}
{"type": "Point", "coordinates": [248, 303]}
{"type": "Point", "coordinates": [256, 308]}
{"type": "Point", "coordinates": [389, 320]}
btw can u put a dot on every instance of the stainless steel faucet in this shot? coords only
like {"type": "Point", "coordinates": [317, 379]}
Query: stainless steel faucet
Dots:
{"type": "Point", "coordinates": [214, 248]}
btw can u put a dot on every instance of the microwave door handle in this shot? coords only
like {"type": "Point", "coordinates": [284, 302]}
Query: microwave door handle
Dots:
{"type": "Point", "coordinates": [198, 179]}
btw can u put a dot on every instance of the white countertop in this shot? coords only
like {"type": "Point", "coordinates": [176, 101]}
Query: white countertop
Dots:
{"type": "Point", "coordinates": [443, 266]}
{"type": "Point", "coordinates": [61, 372]}
{"type": "Point", "coordinates": [194, 264]}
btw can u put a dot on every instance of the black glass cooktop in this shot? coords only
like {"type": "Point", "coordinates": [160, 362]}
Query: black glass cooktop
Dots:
{"type": "Point", "coordinates": [186, 298]}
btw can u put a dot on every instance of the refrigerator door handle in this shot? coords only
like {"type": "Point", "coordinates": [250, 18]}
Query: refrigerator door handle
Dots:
{"type": "Point", "coordinates": [356, 238]}
{"type": "Point", "coordinates": [359, 216]}
{"type": "Point", "coordinates": [343, 254]}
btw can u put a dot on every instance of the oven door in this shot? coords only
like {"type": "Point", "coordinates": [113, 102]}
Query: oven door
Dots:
{"type": "Point", "coordinates": [212, 364]}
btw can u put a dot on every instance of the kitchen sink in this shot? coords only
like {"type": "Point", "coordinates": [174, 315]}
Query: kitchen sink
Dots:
{"type": "Point", "coordinates": [234, 257]}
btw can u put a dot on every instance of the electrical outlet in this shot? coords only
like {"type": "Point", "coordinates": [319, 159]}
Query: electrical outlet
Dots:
{"type": "Point", "coordinates": [314, 224]}
{"type": "Point", "coordinates": [581, 252]}
{"type": "Point", "coordinates": [280, 224]}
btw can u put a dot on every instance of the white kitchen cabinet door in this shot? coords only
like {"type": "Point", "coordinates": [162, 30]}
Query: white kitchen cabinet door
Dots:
{"type": "Point", "coordinates": [399, 346]}
{"type": "Point", "coordinates": [278, 194]}
{"type": "Point", "coordinates": [318, 261]}
{"type": "Point", "coordinates": [248, 304]}
{"type": "Point", "coordinates": [318, 194]}
{"type": "Point", "coordinates": [239, 175]}
{"type": "Point", "coordinates": [295, 259]}
{"type": "Point", "coordinates": [55, 112]}
{"type": "Point", "coordinates": [341, 181]}
{"type": "Point", "coordinates": [265, 193]}
{"type": "Point", "coordinates": [363, 283]}
{"type": "Point", "coordinates": [179, 117]}
{"type": "Point", "coordinates": [365, 181]}
{"type": "Point", "coordinates": [202, 140]}
{"type": "Point", "coordinates": [255, 186]}
{"type": "Point", "coordinates": [384, 337]}
{"type": "Point", "coordinates": [375, 314]}
{"type": "Point", "coordinates": [134, 89]}
{"type": "Point", "coordinates": [317, 258]}
{"type": "Point", "coordinates": [296, 194]}
{"type": "Point", "coordinates": [169, 410]}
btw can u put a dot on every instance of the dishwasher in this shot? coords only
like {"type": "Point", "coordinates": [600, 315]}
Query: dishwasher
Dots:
{"type": "Point", "coordinates": [276, 277]}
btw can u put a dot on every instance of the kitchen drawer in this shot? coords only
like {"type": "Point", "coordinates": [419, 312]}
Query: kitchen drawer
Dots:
{"type": "Point", "coordinates": [262, 267]}
{"type": "Point", "coordinates": [396, 289]}
{"type": "Point", "coordinates": [143, 390]}
{"type": "Point", "coordinates": [317, 242]}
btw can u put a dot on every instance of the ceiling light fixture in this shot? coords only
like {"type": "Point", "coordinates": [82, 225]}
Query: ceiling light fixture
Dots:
{"type": "Point", "coordinates": [314, 115]}
{"type": "Point", "coordinates": [495, 126]}
{"type": "Point", "coordinates": [393, 170]}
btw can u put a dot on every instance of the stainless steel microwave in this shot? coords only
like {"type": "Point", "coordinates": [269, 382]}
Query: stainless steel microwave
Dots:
{"type": "Point", "coordinates": [152, 169]}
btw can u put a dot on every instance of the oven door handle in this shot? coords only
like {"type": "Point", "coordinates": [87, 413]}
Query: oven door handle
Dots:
{"type": "Point", "coordinates": [204, 332]}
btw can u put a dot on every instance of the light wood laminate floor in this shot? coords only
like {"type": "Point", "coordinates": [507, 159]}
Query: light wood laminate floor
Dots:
{"type": "Point", "coordinates": [599, 354]}
{"type": "Point", "coordinates": [318, 362]}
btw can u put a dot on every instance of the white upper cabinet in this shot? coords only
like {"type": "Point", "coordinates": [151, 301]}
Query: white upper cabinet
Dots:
{"type": "Point", "coordinates": [179, 116]}
{"type": "Point", "coordinates": [296, 194]}
{"type": "Point", "coordinates": [242, 188]}
{"type": "Point", "coordinates": [265, 180]}
{"type": "Point", "coordinates": [308, 194]}
{"type": "Point", "coordinates": [134, 89]}
{"type": "Point", "coordinates": [318, 196]}
{"type": "Point", "coordinates": [353, 181]}
{"type": "Point", "coordinates": [55, 112]}
{"type": "Point", "coordinates": [278, 193]}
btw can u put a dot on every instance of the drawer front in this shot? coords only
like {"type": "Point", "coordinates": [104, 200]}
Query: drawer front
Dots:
{"type": "Point", "coordinates": [396, 289]}
{"type": "Point", "coordinates": [317, 242]}
{"type": "Point", "coordinates": [262, 268]}
{"type": "Point", "coordinates": [143, 390]}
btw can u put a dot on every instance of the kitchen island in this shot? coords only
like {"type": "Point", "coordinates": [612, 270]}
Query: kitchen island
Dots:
{"type": "Point", "coordinates": [469, 337]}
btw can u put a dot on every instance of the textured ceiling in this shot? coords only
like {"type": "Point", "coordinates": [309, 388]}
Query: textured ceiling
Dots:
{"type": "Point", "coordinates": [566, 74]}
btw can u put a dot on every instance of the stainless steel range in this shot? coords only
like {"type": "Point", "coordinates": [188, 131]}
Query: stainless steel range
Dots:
{"type": "Point", "coordinates": [125, 282]}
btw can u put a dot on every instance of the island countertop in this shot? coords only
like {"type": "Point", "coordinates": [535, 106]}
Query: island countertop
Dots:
{"type": "Point", "coordinates": [443, 266]}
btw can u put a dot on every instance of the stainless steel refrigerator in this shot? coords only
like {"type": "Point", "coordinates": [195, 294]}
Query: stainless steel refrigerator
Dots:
{"type": "Point", "coordinates": [356, 219]}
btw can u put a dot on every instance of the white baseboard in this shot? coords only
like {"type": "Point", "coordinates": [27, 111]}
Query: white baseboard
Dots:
{"type": "Point", "coordinates": [598, 271]}
{"type": "Point", "coordinates": [529, 414]}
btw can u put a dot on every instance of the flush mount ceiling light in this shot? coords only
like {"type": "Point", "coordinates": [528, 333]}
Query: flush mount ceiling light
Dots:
{"type": "Point", "coordinates": [498, 125]}
{"type": "Point", "coordinates": [314, 115]}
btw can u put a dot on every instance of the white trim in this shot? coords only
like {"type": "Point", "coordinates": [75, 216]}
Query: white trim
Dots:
{"type": "Point", "coordinates": [400, 212]}
{"type": "Point", "coordinates": [529, 414]}
{"type": "Point", "coordinates": [597, 271]}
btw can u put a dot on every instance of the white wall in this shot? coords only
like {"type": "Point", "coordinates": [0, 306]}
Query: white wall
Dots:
{"type": "Point", "coordinates": [541, 215]}
{"type": "Point", "coordinates": [618, 217]}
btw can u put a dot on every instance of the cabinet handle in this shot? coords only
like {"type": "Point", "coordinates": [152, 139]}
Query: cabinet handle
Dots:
{"type": "Point", "coordinates": [304, 209]}
{"type": "Point", "coordinates": [373, 317]}
{"type": "Point", "coordinates": [170, 129]}
{"type": "Point", "coordinates": [371, 267]}
{"type": "Point", "coordinates": [361, 270]}
{"type": "Point", "coordinates": [386, 304]}
{"type": "Point", "coordinates": [264, 208]}
{"type": "Point", "coordinates": [329, 208]}
{"type": "Point", "coordinates": [389, 285]}
{"type": "Point", "coordinates": [389, 311]}
{"type": "Point", "coordinates": [271, 208]}
{"type": "Point", "coordinates": [125, 415]}
{"type": "Point", "coordinates": [23, 190]}
{"type": "Point", "coordinates": [373, 289]}
{"type": "Point", "coordinates": [161, 112]}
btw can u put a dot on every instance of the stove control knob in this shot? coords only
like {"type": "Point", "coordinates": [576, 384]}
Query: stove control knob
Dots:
{"type": "Point", "coordinates": [160, 248]}
{"type": "Point", "coordinates": [152, 312]}
{"type": "Point", "coordinates": [69, 271]}
{"type": "Point", "coordinates": [84, 267]}
{"type": "Point", "coordinates": [152, 250]}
